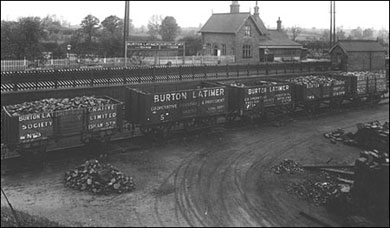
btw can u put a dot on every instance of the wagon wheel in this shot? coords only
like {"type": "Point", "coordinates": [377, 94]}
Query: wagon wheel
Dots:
{"type": "Point", "coordinates": [357, 101]}
{"type": "Point", "coordinates": [335, 103]}
{"type": "Point", "coordinates": [147, 131]}
{"type": "Point", "coordinates": [189, 124]}
{"type": "Point", "coordinates": [375, 99]}
{"type": "Point", "coordinates": [231, 117]}
{"type": "Point", "coordinates": [308, 107]}
{"type": "Point", "coordinates": [164, 131]}
{"type": "Point", "coordinates": [291, 109]}
{"type": "Point", "coordinates": [35, 155]}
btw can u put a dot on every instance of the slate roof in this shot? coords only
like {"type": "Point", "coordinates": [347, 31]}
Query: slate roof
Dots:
{"type": "Point", "coordinates": [229, 23]}
{"type": "Point", "coordinates": [358, 45]}
{"type": "Point", "coordinates": [278, 39]}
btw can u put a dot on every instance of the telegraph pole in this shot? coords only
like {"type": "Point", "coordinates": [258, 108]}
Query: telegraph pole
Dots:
{"type": "Point", "coordinates": [126, 29]}
{"type": "Point", "coordinates": [334, 22]}
{"type": "Point", "coordinates": [331, 27]}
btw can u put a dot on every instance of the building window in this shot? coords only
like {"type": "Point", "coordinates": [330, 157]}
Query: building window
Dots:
{"type": "Point", "coordinates": [223, 49]}
{"type": "Point", "coordinates": [208, 49]}
{"type": "Point", "coordinates": [247, 51]}
{"type": "Point", "coordinates": [247, 29]}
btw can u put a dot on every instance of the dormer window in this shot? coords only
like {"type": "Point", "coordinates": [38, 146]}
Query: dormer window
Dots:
{"type": "Point", "coordinates": [247, 30]}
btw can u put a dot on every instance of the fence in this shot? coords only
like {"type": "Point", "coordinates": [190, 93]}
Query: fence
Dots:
{"type": "Point", "coordinates": [18, 65]}
{"type": "Point", "coordinates": [80, 78]}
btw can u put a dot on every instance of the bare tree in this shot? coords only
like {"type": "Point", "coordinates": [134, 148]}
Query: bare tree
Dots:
{"type": "Point", "coordinates": [295, 31]}
{"type": "Point", "coordinates": [154, 25]}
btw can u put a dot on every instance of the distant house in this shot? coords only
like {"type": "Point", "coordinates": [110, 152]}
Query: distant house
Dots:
{"type": "Point", "coordinates": [245, 36]}
{"type": "Point", "coordinates": [358, 55]}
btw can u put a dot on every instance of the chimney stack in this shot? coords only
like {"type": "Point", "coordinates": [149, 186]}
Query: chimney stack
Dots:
{"type": "Point", "coordinates": [279, 25]}
{"type": "Point", "coordinates": [256, 14]}
{"type": "Point", "coordinates": [234, 7]}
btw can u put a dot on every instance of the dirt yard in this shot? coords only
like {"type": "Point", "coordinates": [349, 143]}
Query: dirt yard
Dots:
{"type": "Point", "coordinates": [218, 178]}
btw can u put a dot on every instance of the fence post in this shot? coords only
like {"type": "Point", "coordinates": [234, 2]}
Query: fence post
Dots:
{"type": "Point", "coordinates": [227, 70]}
{"type": "Point", "coordinates": [91, 77]}
{"type": "Point", "coordinates": [180, 73]}
{"type": "Point", "coordinates": [124, 75]}
{"type": "Point", "coordinates": [205, 71]}
{"type": "Point", "coordinates": [55, 78]}
{"type": "Point", "coordinates": [154, 73]}
{"type": "Point", "coordinates": [193, 71]}
{"type": "Point", "coordinates": [277, 68]}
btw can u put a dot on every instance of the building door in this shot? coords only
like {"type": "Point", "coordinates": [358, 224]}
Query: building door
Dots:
{"type": "Point", "coordinates": [262, 55]}
{"type": "Point", "coordinates": [216, 51]}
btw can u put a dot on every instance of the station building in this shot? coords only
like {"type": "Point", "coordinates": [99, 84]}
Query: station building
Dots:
{"type": "Point", "coordinates": [244, 36]}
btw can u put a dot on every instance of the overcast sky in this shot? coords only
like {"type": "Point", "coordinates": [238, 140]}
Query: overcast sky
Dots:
{"type": "Point", "coordinates": [308, 14]}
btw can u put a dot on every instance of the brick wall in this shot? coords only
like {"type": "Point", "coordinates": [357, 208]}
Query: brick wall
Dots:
{"type": "Point", "coordinates": [365, 61]}
{"type": "Point", "coordinates": [254, 41]}
{"type": "Point", "coordinates": [217, 39]}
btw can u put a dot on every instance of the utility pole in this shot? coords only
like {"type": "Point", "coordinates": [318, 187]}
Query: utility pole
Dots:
{"type": "Point", "coordinates": [331, 27]}
{"type": "Point", "coordinates": [334, 22]}
{"type": "Point", "coordinates": [126, 29]}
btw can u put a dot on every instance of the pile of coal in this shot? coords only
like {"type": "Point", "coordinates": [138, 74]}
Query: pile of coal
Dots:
{"type": "Point", "coordinates": [98, 178]}
{"type": "Point", "coordinates": [361, 75]}
{"type": "Point", "coordinates": [237, 84]}
{"type": "Point", "coordinates": [287, 166]}
{"type": "Point", "coordinates": [372, 135]}
{"type": "Point", "coordinates": [265, 83]}
{"type": "Point", "coordinates": [314, 80]}
{"type": "Point", "coordinates": [340, 135]}
{"type": "Point", "coordinates": [56, 104]}
{"type": "Point", "coordinates": [318, 193]}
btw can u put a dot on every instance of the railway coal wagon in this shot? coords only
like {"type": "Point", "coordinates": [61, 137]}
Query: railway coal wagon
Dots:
{"type": "Point", "coordinates": [256, 97]}
{"type": "Point", "coordinates": [164, 107]}
{"type": "Point", "coordinates": [310, 91]}
{"type": "Point", "coordinates": [32, 126]}
{"type": "Point", "coordinates": [364, 84]}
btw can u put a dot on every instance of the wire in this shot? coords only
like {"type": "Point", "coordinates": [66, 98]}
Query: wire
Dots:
{"type": "Point", "coordinates": [12, 209]}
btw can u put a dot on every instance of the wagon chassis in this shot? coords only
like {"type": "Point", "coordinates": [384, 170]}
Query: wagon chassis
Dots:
{"type": "Point", "coordinates": [164, 130]}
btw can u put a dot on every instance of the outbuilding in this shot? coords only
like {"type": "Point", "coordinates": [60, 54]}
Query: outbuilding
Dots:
{"type": "Point", "coordinates": [358, 55]}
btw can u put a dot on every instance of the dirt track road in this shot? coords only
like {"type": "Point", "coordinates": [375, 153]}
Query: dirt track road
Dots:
{"type": "Point", "coordinates": [219, 178]}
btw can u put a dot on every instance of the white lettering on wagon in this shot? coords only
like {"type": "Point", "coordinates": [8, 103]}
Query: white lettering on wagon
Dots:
{"type": "Point", "coordinates": [203, 93]}
{"type": "Point", "coordinates": [261, 90]}
{"type": "Point", "coordinates": [36, 125]}
{"type": "Point", "coordinates": [35, 116]}
{"type": "Point", "coordinates": [102, 117]}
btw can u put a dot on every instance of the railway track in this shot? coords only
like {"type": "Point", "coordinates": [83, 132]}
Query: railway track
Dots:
{"type": "Point", "coordinates": [101, 151]}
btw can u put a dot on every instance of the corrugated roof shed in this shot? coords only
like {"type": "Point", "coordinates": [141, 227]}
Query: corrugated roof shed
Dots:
{"type": "Point", "coordinates": [229, 23]}
{"type": "Point", "coordinates": [358, 45]}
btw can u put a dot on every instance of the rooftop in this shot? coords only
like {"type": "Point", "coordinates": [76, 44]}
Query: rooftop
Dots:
{"type": "Point", "coordinates": [358, 45]}
{"type": "Point", "coordinates": [229, 23]}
